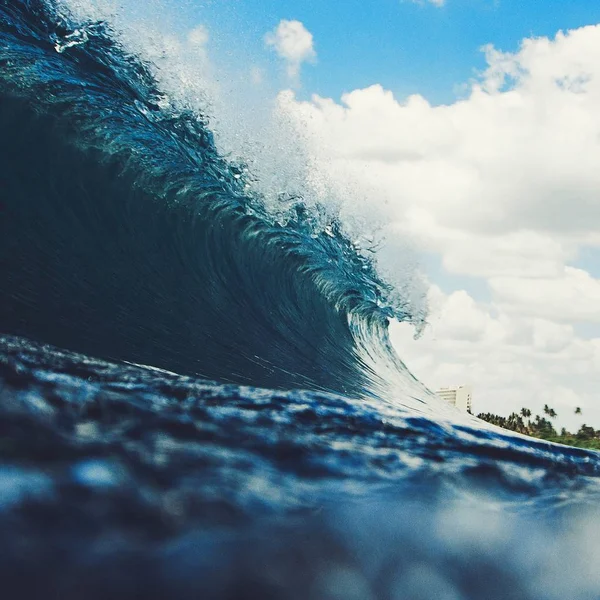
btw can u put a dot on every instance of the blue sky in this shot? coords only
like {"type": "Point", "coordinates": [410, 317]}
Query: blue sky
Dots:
{"type": "Point", "coordinates": [407, 47]}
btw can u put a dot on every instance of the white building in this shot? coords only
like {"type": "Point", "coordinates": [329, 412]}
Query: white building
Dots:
{"type": "Point", "coordinates": [460, 396]}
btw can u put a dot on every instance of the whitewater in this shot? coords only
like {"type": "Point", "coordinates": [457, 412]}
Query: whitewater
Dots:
{"type": "Point", "coordinates": [198, 396]}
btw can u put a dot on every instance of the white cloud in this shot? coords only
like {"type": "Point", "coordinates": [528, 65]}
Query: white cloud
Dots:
{"type": "Point", "coordinates": [504, 187]}
{"type": "Point", "coordinates": [294, 44]}
{"type": "Point", "coordinates": [522, 157]}
{"type": "Point", "coordinates": [574, 296]}
{"type": "Point", "coordinates": [511, 360]}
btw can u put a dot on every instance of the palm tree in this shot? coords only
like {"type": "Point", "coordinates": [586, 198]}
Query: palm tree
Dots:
{"type": "Point", "coordinates": [549, 411]}
{"type": "Point", "coordinates": [525, 413]}
{"type": "Point", "coordinates": [578, 411]}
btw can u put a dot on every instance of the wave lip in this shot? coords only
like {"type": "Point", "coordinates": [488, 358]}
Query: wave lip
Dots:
{"type": "Point", "coordinates": [125, 235]}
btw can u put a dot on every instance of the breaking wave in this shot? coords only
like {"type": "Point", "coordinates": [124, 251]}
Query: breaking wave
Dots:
{"type": "Point", "coordinates": [126, 235]}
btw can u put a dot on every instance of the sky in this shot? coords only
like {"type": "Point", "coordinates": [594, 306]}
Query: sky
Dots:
{"type": "Point", "coordinates": [471, 128]}
{"type": "Point", "coordinates": [430, 48]}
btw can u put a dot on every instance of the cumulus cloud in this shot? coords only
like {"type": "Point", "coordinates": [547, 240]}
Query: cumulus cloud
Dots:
{"type": "Point", "coordinates": [520, 152]}
{"type": "Point", "coordinates": [294, 44]}
{"type": "Point", "coordinates": [503, 186]}
{"type": "Point", "coordinates": [512, 360]}
{"type": "Point", "coordinates": [573, 297]}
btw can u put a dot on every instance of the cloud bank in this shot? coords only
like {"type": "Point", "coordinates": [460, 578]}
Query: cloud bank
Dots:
{"type": "Point", "coordinates": [503, 188]}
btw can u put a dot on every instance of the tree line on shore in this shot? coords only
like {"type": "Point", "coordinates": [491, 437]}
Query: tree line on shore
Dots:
{"type": "Point", "coordinates": [542, 427]}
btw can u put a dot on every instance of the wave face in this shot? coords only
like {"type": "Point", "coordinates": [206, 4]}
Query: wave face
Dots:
{"type": "Point", "coordinates": [125, 235]}
{"type": "Point", "coordinates": [277, 447]}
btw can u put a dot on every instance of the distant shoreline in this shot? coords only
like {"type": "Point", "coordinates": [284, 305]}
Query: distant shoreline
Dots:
{"type": "Point", "coordinates": [543, 428]}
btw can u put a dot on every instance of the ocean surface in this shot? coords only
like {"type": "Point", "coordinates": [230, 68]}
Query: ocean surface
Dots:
{"type": "Point", "coordinates": [198, 396]}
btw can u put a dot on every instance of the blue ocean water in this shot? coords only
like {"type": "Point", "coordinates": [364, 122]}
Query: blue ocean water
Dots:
{"type": "Point", "coordinates": [276, 446]}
